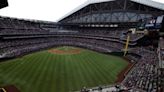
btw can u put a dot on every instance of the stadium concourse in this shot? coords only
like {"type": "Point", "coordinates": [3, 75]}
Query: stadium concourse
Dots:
{"type": "Point", "coordinates": [19, 37]}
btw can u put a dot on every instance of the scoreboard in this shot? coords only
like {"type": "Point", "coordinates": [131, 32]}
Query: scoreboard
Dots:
{"type": "Point", "coordinates": [155, 23]}
{"type": "Point", "coordinates": [150, 26]}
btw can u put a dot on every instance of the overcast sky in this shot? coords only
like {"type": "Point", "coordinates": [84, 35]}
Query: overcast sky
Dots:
{"type": "Point", "coordinates": [49, 10]}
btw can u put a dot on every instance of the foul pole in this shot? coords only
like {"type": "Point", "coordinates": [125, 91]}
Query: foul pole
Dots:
{"type": "Point", "coordinates": [126, 46]}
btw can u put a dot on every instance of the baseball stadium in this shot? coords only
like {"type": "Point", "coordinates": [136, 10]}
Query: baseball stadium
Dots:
{"type": "Point", "coordinates": [100, 46]}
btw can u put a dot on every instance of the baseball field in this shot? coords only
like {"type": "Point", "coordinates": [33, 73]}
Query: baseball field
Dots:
{"type": "Point", "coordinates": [62, 69]}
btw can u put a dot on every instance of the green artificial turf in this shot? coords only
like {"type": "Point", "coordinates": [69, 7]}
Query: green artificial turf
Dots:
{"type": "Point", "coordinates": [47, 72]}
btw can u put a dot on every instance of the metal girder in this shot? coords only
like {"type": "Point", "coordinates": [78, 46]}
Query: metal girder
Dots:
{"type": "Point", "coordinates": [110, 16]}
{"type": "Point", "coordinates": [113, 11]}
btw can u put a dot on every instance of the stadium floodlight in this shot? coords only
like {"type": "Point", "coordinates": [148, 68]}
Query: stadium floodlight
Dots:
{"type": "Point", "coordinates": [3, 3]}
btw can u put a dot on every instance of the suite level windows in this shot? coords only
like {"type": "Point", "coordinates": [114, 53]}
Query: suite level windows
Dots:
{"type": "Point", "coordinates": [99, 25]}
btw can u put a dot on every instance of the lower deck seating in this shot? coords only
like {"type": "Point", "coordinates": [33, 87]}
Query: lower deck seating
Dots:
{"type": "Point", "coordinates": [145, 74]}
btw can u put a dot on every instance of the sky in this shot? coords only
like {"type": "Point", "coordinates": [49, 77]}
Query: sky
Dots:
{"type": "Point", "coordinates": [47, 10]}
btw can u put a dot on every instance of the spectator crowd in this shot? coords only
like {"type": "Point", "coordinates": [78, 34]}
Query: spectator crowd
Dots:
{"type": "Point", "coordinates": [20, 37]}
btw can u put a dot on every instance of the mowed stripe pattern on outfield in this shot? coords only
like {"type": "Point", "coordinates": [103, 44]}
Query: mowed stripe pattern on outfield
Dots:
{"type": "Point", "coordinates": [48, 72]}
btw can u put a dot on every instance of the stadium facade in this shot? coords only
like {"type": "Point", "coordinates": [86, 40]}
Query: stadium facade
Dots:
{"type": "Point", "coordinates": [3, 3]}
